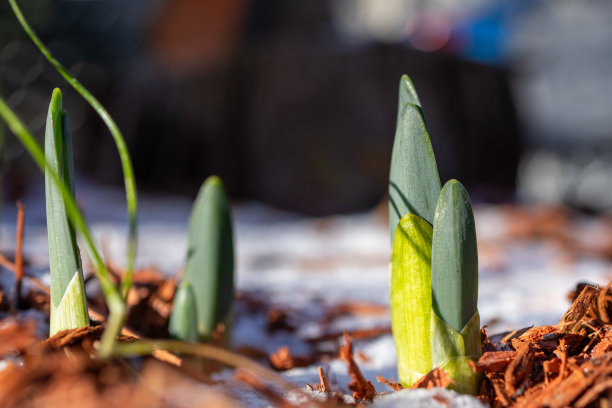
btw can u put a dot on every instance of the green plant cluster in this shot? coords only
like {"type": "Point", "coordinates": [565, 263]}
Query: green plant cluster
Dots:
{"type": "Point", "coordinates": [434, 262]}
{"type": "Point", "coordinates": [205, 297]}
{"type": "Point", "coordinates": [434, 258]}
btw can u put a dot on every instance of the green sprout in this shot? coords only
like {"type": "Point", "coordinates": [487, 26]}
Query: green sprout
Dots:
{"type": "Point", "coordinates": [68, 301]}
{"type": "Point", "coordinates": [214, 213]}
{"type": "Point", "coordinates": [115, 298]}
{"type": "Point", "coordinates": [114, 301]}
{"type": "Point", "coordinates": [209, 272]}
{"type": "Point", "coordinates": [414, 183]}
{"type": "Point", "coordinates": [434, 259]}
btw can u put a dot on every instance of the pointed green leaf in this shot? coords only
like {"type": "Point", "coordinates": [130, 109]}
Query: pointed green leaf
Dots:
{"type": "Point", "coordinates": [454, 267]}
{"type": "Point", "coordinates": [183, 323]}
{"type": "Point", "coordinates": [407, 94]}
{"type": "Point", "coordinates": [210, 256]}
{"type": "Point", "coordinates": [67, 288]}
{"type": "Point", "coordinates": [410, 291]}
{"type": "Point", "coordinates": [414, 183]}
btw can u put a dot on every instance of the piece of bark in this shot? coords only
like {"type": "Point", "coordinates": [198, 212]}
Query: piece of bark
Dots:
{"type": "Point", "coordinates": [519, 368]}
{"type": "Point", "coordinates": [564, 391]}
{"type": "Point", "coordinates": [552, 366]}
{"type": "Point", "coordinates": [283, 360]}
{"type": "Point", "coordinates": [485, 341]}
{"type": "Point", "coordinates": [323, 382]}
{"type": "Point", "coordinates": [497, 381]}
{"type": "Point", "coordinates": [572, 341]}
{"type": "Point", "coordinates": [573, 318]}
{"type": "Point", "coordinates": [362, 388]}
{"type": "Point", "coordinates": [391, 383]}
{"type": "Point", "coordinates": [435, 378]}
{"type": "Point", "coordinates": [493, 361]}
{"type": "Point", "coordinates": [536, 334]}
{"type": "Point", "coordinates": [592, 393]}
{"type": "Point", "coordinates": [604, 345]}
{"type": "Point", "coordinates": [602, 303]}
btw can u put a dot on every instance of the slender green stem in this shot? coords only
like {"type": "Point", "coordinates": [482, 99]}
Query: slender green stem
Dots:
{"type": "Point", "coordinates": [146, 347]}
{"type": "Point", "coordinates": [126, 163]}
{"type": "Point", "coordinates": [113, 298]}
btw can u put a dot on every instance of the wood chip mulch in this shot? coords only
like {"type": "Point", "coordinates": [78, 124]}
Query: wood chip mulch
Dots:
{"type": "Point", "coordinates": [567, 365]}
{"type": "Point", "coordinates": [555, 366]}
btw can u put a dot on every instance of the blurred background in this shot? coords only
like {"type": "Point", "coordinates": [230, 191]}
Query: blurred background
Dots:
{"type": "Point", "coordinates": [293, 103]}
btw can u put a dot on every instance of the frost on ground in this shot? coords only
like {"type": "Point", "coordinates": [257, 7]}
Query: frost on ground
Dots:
{"type": "Point", "coordinates": [529, 260]}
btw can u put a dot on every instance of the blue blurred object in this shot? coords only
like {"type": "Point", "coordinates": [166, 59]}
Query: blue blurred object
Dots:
{"type": "Point", "coordinates": [484, 35]}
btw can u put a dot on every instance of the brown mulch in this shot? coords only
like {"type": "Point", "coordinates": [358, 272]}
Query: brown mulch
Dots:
{"type": "Point", "coordinates": [391, 383]}
{"type": "Point", "coordinates": [569, 364]}
{"type": "Point", "coordinates": [555, 366]}
{"type": "Point", "coordinates": [62, 372]}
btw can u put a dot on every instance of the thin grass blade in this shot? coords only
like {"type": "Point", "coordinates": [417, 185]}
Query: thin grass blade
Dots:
{"type": "Point", "coordinates": [454, 266]}
{"type": "Point", "coordinates": [124, 156]}
{"type": "Point", "coordinates": [68, 301]}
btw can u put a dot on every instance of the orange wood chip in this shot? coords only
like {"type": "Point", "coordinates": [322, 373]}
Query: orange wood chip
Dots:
{"type": "Point", "coordinates": [435, 378]}
{"type": "Point", "coordinates": [283, 359]}
{"type": "Point", "coordinates": [519, 368]}
{"type": "Point", "coordinates": [362, 388]}
{"type": "Point", "coordinates": [573, 318]}
{"type": "Point", "coordinates": [391, 383]}
{"type": "Point", "coordinates": [493, 361]}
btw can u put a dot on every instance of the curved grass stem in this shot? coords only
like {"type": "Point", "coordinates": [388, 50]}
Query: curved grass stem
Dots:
{"type": "Point", "coordinates": [126, 163]}
{"type": "Point", "coordinates": [146, 347]}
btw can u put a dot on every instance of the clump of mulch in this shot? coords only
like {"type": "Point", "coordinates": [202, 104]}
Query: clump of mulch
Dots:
{"type": "Point", "coordinates": [62, 371]}
{"type": "Point", "coordinates": [569, 364]}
